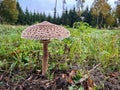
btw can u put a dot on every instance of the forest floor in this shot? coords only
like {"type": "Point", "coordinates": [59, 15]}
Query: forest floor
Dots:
{"type": "Point", "coordinates": [61, 80]}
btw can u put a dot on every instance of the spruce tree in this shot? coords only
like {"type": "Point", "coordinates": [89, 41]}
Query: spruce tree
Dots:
{"type": "Point", "coordinates": [73, 17]}
{"type": "Point", "coordinates": [87, 16]}
{"type": "Point", "coordinates": [21, 16]}
{"type": "Point", "coordinates": [64, 18]}
{"type": "Point", "coordinates": [49, 18]}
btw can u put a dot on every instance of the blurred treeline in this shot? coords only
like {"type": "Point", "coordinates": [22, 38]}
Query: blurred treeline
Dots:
{"type": "Point", "coordinates": [100, 15]}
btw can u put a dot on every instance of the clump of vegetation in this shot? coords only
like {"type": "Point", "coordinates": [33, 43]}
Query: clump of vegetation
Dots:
{"type": "Point", "coordinates": [84, 49]}
{"type": "Point", "coordinates": [81, 49]}
{"type": "Point", "coordinates": [82, 26]}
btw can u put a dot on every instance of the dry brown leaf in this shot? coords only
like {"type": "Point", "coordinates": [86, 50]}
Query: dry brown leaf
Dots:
{"type": "Point", "coordinates": [113, 74]}
{"type": "Point", "coordinates": [90, 88]}
{"type": "Point", "coordinates": [90, 82]}
{"type": "Point", "coordinates": [67, 78]}
{"type": "Point", "coordinates": [72, 73]}
{"type": "Point", "coordinates": [70, 80]}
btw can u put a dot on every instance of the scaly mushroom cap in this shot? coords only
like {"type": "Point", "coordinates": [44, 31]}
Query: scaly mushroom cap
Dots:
{"type": "Point", "coordinates": [45, 31]}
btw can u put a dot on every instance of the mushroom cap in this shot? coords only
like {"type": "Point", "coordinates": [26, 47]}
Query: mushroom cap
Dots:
{"type": "Point", "coordinates": [45, 31]}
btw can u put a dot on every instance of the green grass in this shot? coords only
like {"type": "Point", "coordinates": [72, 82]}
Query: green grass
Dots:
{"type": "Point", "coordinates": [84, 48]}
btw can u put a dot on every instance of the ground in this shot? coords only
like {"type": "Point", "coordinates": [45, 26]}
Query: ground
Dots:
{"type": "Point", "coordinates": [62, 80]}
{"type": "Point", "coordinates": [72, 61]}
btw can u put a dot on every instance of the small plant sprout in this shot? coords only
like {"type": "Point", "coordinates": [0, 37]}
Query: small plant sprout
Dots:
{"type": "Point", "coordinates": [44, 32]}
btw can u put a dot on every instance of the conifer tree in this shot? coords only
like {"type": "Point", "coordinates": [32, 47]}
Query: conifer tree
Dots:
{"type": "Point", "coordinates": [87, 16]}
{"type": "Point", "coordinates": [64, 18]}
{"type": "Point", "coordinates": [49, 18]}
{"type": "Point", "coordinates": [73, 17]}
{"type": "Point", "coordinates": [21, 16]}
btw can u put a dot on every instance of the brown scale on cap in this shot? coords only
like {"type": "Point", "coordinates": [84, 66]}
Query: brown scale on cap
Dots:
{"type": "Point", "coordinates": [44, 32]}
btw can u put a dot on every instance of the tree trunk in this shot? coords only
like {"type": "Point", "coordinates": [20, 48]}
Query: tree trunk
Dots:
{"type": "Point", "coordinates": [101, 22]}
{"type": "Point", "coordinates": [98, 14]}
{"type": "Point", "coordinates": [97, 21]}
{"type": "Point", "coordinates": [55, 10]}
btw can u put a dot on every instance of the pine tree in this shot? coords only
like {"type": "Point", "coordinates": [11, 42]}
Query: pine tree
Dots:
{"type": "Point", "coordinates": [65, 18]}
{"type": "Point", "coordinates": [1, 17]}
{"type": "Point", "coordinates": [49, 18]}
{"type": "Point", "coordinates": [21, 15]}
{"type": "Point", "coordinates": [30, 18]}
{"type": "Point", "coordinates": [44, 17]}
{"type": "Point", "coordinates": [73, 17]}
{"type": "Point", "coordinates": [38, 17]}
{"type": "Point", "coordinates": [58, 19]}
{"type": "Point", "coordinates": [87, 16]}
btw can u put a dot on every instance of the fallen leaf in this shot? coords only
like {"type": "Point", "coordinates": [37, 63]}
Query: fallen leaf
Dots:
{"type": "Point", "coordinates": [72, 73]}
{"type": "Point", "coordinates": [90, 84]}
{"type": "Point", "coordinates": [113, 74]}
{"type": "Point", "coordinates": [70, 80]}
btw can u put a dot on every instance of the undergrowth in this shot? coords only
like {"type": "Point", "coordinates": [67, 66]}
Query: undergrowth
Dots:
{"type": "Point", "coordinates": [85, 48]}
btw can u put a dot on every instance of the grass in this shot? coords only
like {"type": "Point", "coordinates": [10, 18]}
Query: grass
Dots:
{"type": "Point", "coordinates": [82, 50]}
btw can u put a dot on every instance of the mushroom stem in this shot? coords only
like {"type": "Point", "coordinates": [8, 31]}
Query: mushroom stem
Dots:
{"type": "Point", "coordinates": [45, 57]}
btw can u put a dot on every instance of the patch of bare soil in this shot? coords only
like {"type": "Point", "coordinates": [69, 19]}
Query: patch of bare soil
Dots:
{"type": "Point", "coordinates": [109, 81]}
{"type": "Point", "coordinates": [61, 81]}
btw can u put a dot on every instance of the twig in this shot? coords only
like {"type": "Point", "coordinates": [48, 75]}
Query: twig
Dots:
{"type": "Point", "coordinates": [95, 67]}
{"type": "Point", "coordinates": [86, 76]}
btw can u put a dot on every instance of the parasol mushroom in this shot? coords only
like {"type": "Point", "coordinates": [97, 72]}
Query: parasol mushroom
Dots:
{"type": "Point", "coordinates": [44, 32]}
